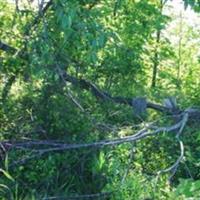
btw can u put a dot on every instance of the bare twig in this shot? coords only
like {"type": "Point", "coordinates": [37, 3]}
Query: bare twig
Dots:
{"type": "Point", "coordinates": [173, 167]}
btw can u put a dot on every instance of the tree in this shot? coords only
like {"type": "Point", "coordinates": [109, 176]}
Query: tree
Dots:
{"type": "Point", "coordinates": [74, 76]}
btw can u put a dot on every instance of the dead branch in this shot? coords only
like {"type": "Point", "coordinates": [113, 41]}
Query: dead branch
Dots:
{"type": "Point", "coordinates": [174, 167]}
{"type": "Point", "coordinates": [87, 85]}
{"type": "Point", "coordinates": [113, 142]}
{"type": "Point", "coordinates": [40, 148]}
{"type": "Point", "coordinates": [193, 113]}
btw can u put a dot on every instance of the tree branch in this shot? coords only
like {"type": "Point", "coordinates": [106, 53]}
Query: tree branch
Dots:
{"type": "Point", "coordinates": [87, 85]}
{"type": "Point", "coordinates": [37, 19]}
{"type": "Point", "coordinates": [41, 148]}
{"type": "Point", "coordinates": [7, 48]}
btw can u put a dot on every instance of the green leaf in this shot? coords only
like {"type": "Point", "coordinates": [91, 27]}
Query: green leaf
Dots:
{"type": "Point", "coordinates": [6, 162]}
{"type": "Point", "coordinates": [7, 175]}
{"type": "Point", "coordinates": [4, 187]}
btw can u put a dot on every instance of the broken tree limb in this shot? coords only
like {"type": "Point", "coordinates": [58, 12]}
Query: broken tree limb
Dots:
{"type": "Point", "coordinates": [40, 148]}
{"type": "Point", "coordinates": [139, 106]}
{"type": "Point", "coordinates": [87, 85]}
{"type": "Point", "coordinates": [193, 113]}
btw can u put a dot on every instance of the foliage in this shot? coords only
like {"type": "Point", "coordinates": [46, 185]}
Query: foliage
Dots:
{"type": "Point", "coordinates": [111, 44]}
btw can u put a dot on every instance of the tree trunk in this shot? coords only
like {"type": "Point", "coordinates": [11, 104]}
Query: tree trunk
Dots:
{"type": "Point", "coordinates": [179, 51]}
{"type": "Point", "coordinates": [155, 60]}
{"type": "Point", "coordinates": [156, 53]}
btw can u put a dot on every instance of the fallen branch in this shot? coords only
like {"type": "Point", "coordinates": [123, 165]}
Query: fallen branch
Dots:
{"type": "Point", "coordinates": [87, 85]}
{"type": "Point", "coordinates": [44, 147]}
{"type": "Point", "coordinates": [63, 146]}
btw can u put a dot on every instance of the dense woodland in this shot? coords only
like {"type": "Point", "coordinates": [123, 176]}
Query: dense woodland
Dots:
{"type": "Point", "coordinates": [99, 99]}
